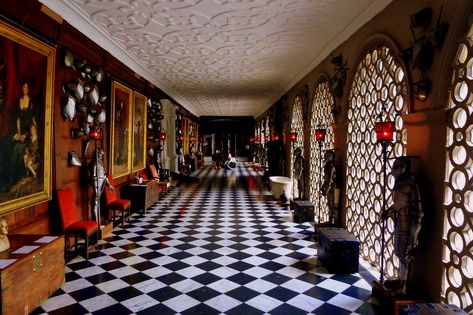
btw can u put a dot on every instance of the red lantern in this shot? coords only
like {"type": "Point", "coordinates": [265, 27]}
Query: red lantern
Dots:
{"type": "Point", "coordinates": [384, 131]}
{"type": "Point", "coordinates": [320, 135]}
{"type": "Point", "coordinates": [95, 134]}
{"type": "Point", "coordinates": [293, 136]}
{"type": "Point", "coordinates": [162, 136]}
{"type": "Point", "coordinates": [276, 137]}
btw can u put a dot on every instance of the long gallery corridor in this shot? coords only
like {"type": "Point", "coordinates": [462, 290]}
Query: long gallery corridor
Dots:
{"type": "Point", "coordinates": [218, 244]}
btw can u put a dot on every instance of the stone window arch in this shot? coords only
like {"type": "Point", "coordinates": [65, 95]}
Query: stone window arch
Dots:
{"type": "Point", "coordinates": [458, 201]}
{"type": "Point", "coordinates": [379, 87]}
{"type": "Point", "coordinates": [321, 117]}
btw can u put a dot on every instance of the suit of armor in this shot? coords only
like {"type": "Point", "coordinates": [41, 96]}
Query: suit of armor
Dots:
{"type": "Point", "coordinates": [98, 178]}
{"type": "Point", "coordinates": [407, 214]}
{"type": "Point", "coordinates": [299, 173]}
{"type": "Point", "coordinates": [329, 185]}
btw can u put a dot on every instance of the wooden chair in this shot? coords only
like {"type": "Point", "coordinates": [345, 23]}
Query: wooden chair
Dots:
{"type": "Point", "coordinates": [87, 230]}
{"type": "Point", "coordinates": [118, 207]}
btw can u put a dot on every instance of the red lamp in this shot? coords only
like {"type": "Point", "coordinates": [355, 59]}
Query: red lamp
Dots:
{"type": "Point", "coordinates": [320, 134]}
{"type": "Point", "coordinates": [293, 136]}
{"type": "Point", "coordinates": [95, 134]}
{"type": "Point", "coordinates": [384, 130]}
{"type": "Point", "coordinates": [266, 138]}
{"type": "Point", "coordinates": [252, 139]}
{"type": "Point", "coordinates": [258, 139]}
{"type": "Point", "coordinates": [162, 136]}
{"type": "Point", "coordinates": [276, 137]}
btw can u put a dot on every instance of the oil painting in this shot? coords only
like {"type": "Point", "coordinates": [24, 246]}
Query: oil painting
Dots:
{"type": "Point", "coordinates": [139, 132]}
{"type": "Point", "coordinates": [120, 141]}
{"type": "Point", "coordinates": [26, 93]}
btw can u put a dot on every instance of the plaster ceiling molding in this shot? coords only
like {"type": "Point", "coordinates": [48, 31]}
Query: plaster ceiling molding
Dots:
{"type": "Point", "coordinates": [219, 57]}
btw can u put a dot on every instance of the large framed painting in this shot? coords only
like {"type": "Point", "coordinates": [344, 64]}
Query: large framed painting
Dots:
{"type": "Point", "coordinates": [139, 132]}
{"type": "Point", "coordinates": [26, 94]}
{"type": "Point", "coordinates": [120, 134]}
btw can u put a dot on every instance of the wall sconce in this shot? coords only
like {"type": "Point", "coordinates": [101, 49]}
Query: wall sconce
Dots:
{"type": "Point", "coordinates": [384, 131]}
{"type": "Point", "coordinates": [293, 136]}
{"type": "Point", "coordinates": [95, 135]}
{"type": "Point", "coordinates": [421, 89]}
{"type": "Point", "coordinates": [384, 135]}
{"type": "Point", "coordinates": [72, 159]}
{"type": "Point", "coordinates": [320, 135]}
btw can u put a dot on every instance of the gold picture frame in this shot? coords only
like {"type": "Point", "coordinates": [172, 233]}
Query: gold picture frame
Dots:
{"type": "Point", "coordinates": [120, 130]}
{"type": "Point", "coordinates": [138, 154]}
{"type": "Point", "coordinates": [27, 68]}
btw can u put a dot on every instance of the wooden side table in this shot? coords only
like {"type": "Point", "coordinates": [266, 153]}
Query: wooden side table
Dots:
{"type": "Point", "coordinates": [142, 196]}
{"type": "Point", "coordinates": [31, 271]}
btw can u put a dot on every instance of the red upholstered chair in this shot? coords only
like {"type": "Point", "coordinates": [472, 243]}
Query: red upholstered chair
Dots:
{"type": "Point", "coordinates": [71, 225]}
{"type": "Point", "coordinates": [118, 207]}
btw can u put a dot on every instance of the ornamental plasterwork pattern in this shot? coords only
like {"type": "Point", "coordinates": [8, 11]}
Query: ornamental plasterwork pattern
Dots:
{"type": "Point", "coordinates": [219, 57]}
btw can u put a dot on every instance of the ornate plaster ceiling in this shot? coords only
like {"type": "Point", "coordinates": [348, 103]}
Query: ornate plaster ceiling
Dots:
{"type": "Point", "coordinates": [219, 57]}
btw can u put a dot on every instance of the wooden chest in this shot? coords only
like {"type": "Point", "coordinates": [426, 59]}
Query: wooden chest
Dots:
{"type": "Point", "coordinates": [338, 250]}
{"type": "Point", "coordinates": [142, 196]}
{"type": "Point", "coordinates": [303, 211]}
{"type": "Point", "coordinates": [33, 276]}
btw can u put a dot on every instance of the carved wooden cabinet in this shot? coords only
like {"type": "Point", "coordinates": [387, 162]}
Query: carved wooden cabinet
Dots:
{"type": "Point", "coordinates": [142, 196]}
{"type": "Point", "coordinates": [34, 275]}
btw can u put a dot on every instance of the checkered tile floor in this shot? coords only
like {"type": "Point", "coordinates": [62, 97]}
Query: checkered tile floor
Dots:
{"type": "Point", "coordinates": [215, 245]}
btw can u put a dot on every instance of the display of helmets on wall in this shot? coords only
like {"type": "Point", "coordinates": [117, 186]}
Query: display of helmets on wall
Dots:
{"type": "Point", "coordinates": [93, 95]}
{"type": "Point", "coordinates": [97, 75]}
{"type": "Point", "coordinates": [100, 117]}
{"type": "Point", "coordinates": [82, 102]}
{"type": "Point", "coordinates": [77, 133]}
{"type": "Point", "coordinates": [154, 119]}
{"type": "Point", "coordinates": [69, 107]}
{"type": "Point", "coordinates": [74, 88]}
{"type": "Point", "coordinates": [68, 58]}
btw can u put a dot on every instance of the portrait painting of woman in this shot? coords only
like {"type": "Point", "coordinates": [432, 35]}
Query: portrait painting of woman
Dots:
{"type": "Point", "coordinates": [139, 132]}
{"type": "Point", "coordinates": [121, 132]}
{"type": "Point", "coordinates": [25, 119]}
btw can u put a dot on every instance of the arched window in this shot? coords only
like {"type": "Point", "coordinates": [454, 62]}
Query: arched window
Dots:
{"type": "Point", "coordinates": [297, 126]}
{"type": "Point", "coordinates": [458, 221]}
{"type": "Point", "coordinates": [378, 88]}
{"type": "Point", "coordinates": [321, 118]}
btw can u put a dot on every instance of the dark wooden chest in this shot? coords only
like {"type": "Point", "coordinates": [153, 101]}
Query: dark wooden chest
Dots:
{"type": "Point", "coordinates": [303, 211]}
{"type": "Point", "coordinates": [142, 196]}
{"type": "Point", "coordinates": [338, 250]}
